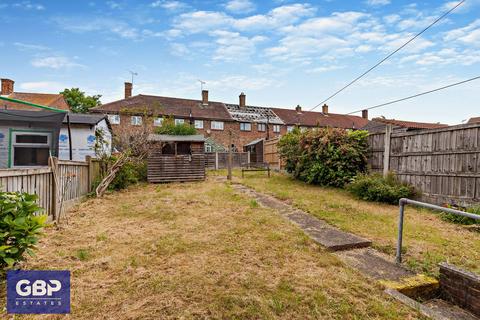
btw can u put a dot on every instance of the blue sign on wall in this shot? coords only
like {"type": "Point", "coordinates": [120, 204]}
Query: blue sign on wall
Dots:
{"type": "Point", "coordinates": [38, 292]}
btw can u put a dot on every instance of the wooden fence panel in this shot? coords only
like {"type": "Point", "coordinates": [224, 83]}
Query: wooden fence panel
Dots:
{"type": "Point", "coordinates": [74, 182]}
{"type": "Point", "coordinates": [443, 164]}
{"type": "Point", "coordinates": [33, 181]}
{"type": "Point", "coordinates": [238, 158]}
{"type": "Point", "coordinates": [271, 155]}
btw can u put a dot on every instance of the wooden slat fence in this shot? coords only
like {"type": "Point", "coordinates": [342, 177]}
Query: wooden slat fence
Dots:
{"type": "Point", "coordinates": [271, 155]}
{"type": "Point", "coordinates": [444, 164]}
{"type": "Point", "coordinates": [75, 179]}
{"type": "Point", "coordinates": [238, 158]}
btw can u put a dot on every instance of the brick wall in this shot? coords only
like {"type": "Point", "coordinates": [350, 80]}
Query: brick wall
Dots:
{"type": "Point", "coordinates": [240, 138]}
{"type": "Point", "coordinates": [460, 287]}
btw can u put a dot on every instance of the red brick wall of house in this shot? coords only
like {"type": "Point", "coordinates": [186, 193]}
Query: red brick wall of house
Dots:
{"type": "Point", "coordinates": [239, 138]}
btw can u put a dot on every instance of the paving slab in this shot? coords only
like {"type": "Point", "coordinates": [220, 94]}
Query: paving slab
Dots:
{"type": "Point", "coordinates": [375, 264]}
{"type": "Point", "coordinates": [326, 235]}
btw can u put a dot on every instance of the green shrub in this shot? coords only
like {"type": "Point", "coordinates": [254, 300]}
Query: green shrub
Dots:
{"type": "Point", "coordinates": [131, 172]}
{"type": "Point", "coordinates": [462, 220]}
{"type": "Point", "coordinates": [19, 227]}
{"type": "Point", "coordinates": [169, 127]}
{"type": "Point", "coordinates": [325, 156]}
{"type": "Point", "coordinates": [377, 188]}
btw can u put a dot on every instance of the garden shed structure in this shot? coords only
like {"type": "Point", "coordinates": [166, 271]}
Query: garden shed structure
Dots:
{"type": "Point", "coordinates": [176, 158]}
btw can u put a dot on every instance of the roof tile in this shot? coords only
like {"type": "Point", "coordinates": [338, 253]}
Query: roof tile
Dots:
{"type": "Point", "coordinates": [167, 106]}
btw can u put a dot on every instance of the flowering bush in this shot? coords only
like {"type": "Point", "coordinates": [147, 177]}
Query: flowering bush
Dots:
{"type": "Point", "coordinates": [19, 226]}
{"type": "Point", "coordinates": [325, 156]}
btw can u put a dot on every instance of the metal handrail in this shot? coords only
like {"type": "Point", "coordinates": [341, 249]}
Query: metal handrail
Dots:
{"type": "Point", "coordinates": [404, 201]}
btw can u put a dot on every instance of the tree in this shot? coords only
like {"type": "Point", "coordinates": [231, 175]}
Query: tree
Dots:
{"type": "Point", "coordinates": [169, 127]}
{"type": "Point", "coordinates": [78, 101]}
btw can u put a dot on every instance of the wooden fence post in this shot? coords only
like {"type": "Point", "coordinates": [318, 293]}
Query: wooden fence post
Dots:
{"type": "Point", "coordinates": [248, 157]}
{"type": "Point", "coordinates": [53, 163]}
{"type": "Point", "coordinates": [88, 159]}
{"type": "Point", "coordinates": [386, 154]}
{"type": "Point", "coordinates": [216, 160]}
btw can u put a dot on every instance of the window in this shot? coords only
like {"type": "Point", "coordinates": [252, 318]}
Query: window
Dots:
{"type": "Point", "coordinates": [136, 120]}
{"type": "Point", "coordinates": [216, 125]}
{"type": "Point", "coordinates": [290, 128]}
{"type": "Point", "coordinates": [114, 118]}
{"type": "Point", "coordinates": [30, 149]}
{"type": "Point", "coordinates": [262, 127]}
{"type": "Point", "coordinates": [198, 124]}
{"type": "Point", "coordinates": [245, 126]}
{"type": "Point", "coordinates": [179, 121]}
{"type": "Point", "coordinates": [276, 128]}
{"type": "Point", "coordinates": [157, 122]}
{"type": "Point", "coordinates": [208, 148]}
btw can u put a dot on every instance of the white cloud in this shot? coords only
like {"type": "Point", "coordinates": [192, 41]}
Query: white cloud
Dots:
{"type": "Point", "coordinates": [169, 5]}
{"type": "Point", "coordinates": [324, 69]}
{"type": "Point", "coordinates": [240, 6]}
{"type": "Point", "coordinates": [376, 3]}
{"type": "Point", "coordinates": [179, 49]}
{"type": "Point", "coordinates": [205, 21]}
{"type": "Point", "coordinates": [201, 21]}
{"type": "Point", "coordinates": [82, 25]}
{"type": "Point", "coordinates": [231, 46]}
{"type": "Point", "coordinates": [27, 46]}
{"type": "Point", "coordinates": [392, 18]}
{"type": "Point", "coordinates": [54, 62]}
{"type": "Point", "coordinates": [469, 35]}
{"type": "Point", "coordinates": [27, 5]}
{"type": "Point", "coordinates": [114, 5]}
{"type": "Point", "coordinates": [275, 18]}
{"type": "Point", "coordinates": [43, 86]}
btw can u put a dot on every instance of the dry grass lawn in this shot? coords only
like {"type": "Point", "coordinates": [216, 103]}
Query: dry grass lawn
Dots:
{"type": "Point", "coordinates": [199, 251]}
{"type": "Point", "coordinates": [428, 239]}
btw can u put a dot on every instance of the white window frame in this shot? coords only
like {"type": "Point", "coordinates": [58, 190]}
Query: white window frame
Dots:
{"type": "Point", "coordinates": [114, 118]}
{"type": "Point", "coordinates": [198, 124]}
{"type": "Point", "coordinates": [14, 143]}
{"type": "Point", "coordinates": [245, 126]}
{"type": "Point", "coordinates": [179, 121]}
{"type": "Point", "coordinates": [158, 122]}
{"type": "Point", "coordinates": [217, 125]}
{"type": "Point", "coordinates": [136, 120]}
{"type": "Point", "coordinates": [276, 128]}
{"type": "Point", "coordinates": [208, 148]}
{"type": "Point", "coordinates": [263, 126]}
{"type": "Point", "coordinates": [290, 128]}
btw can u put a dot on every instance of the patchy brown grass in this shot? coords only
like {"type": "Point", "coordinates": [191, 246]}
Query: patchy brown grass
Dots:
{"type": "Point", "coordinates": [428, 239]}
{"type": "Point", "coordinates": [198, 251]}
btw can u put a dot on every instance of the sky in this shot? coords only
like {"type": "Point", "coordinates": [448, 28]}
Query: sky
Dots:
{"type": "Point", "coordinates": [280, 53]}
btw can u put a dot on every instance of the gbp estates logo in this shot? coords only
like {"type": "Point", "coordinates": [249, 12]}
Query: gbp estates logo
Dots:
{"type": "Point", "coordinates": [38, 292]}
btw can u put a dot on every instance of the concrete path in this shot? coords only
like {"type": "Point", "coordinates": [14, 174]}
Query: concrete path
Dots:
{"type": "Point", "coordinates": [369, 262]}
{"type": "Point", "coordinates": [355, 251]}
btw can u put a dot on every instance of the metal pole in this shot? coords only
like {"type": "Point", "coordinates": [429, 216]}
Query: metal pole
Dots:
{"type": "Point", "coordinates": [400, 231]}
{"type": "Point", "coordinates": [403, 202]}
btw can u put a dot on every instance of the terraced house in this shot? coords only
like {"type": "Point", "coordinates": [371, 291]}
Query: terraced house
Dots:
{"type": "Point", "coordinates": [220, 122]}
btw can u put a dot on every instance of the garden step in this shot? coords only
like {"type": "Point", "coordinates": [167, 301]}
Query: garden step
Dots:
{"type": "Point", "coordinates": [374, 264]}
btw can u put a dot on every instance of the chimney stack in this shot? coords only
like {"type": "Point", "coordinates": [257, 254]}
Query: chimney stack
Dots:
{"type": "Point", "coordinates": [205, 97]}
{"type": "Point", "coordinates": [365, 114]}
{"type": "Point", "coordinates": [242, 98]}
{"type": "Point", "coordinates": [128, 89]}
{"type": "Point", "coordinates": [298, 108]}
{"type": "Point", "coordinates": [7, 87]}
{"type": "Point", "coordinates": [325, 108]}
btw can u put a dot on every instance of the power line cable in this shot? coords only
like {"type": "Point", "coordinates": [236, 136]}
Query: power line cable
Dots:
{"type": "Point", "coordinates": [391, 54]}
{"type": "Point", "coordinates": [416, 95]}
